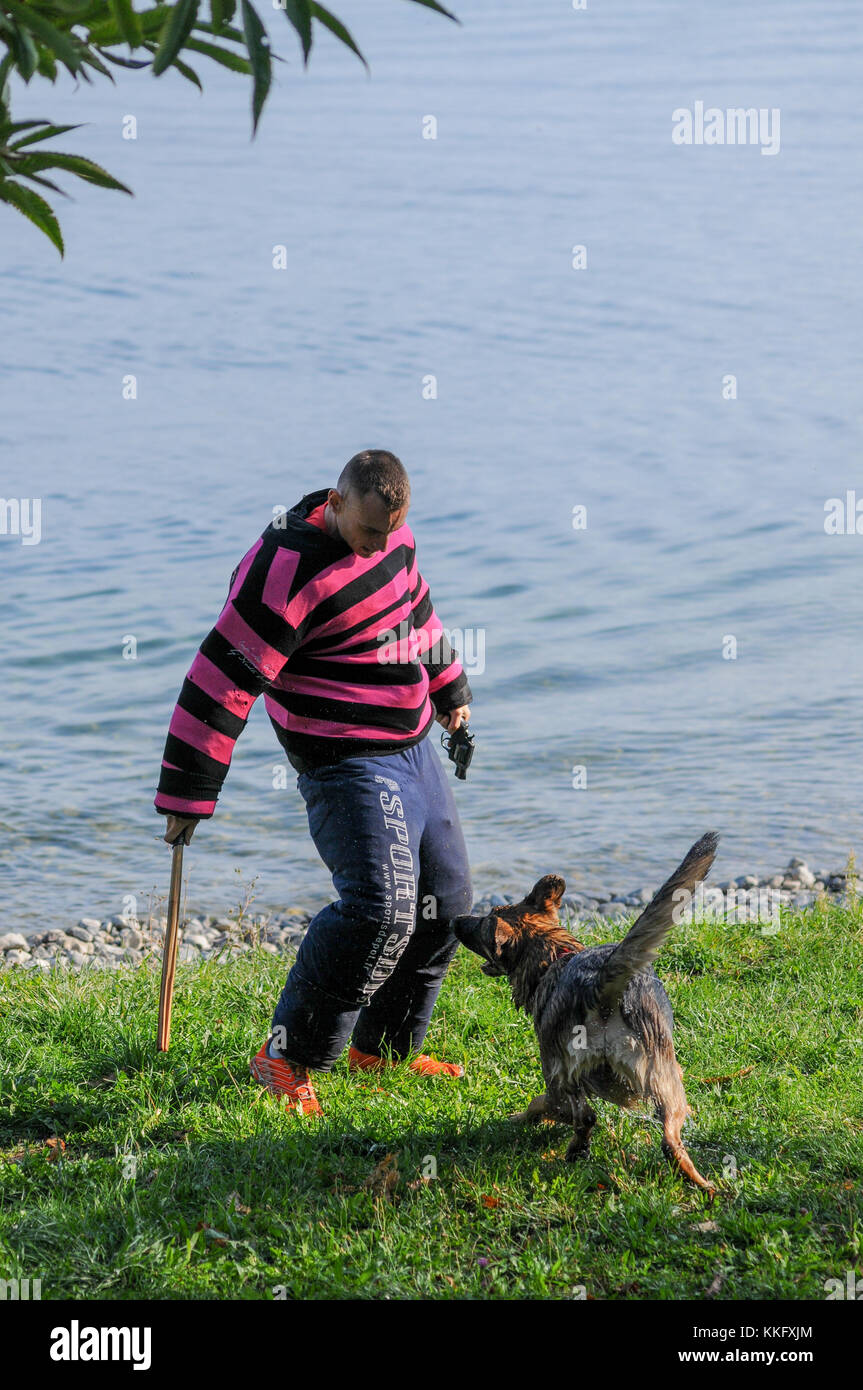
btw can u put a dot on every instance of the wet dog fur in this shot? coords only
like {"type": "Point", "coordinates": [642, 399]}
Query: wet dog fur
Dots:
{"type": "Point", "coordinates": [603, 1020]}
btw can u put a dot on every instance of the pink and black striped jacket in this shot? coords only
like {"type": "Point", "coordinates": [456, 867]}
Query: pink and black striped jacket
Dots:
{"type": "Point", "coordinates": [348, 650]}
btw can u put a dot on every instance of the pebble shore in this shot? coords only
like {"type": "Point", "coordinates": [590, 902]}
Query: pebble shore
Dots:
{"type": "Point", "coordinates": [116, 942]}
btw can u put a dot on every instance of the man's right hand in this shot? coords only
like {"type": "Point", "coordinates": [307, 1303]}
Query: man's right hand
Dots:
{"type": "Point", "coordinates": [180, 825]}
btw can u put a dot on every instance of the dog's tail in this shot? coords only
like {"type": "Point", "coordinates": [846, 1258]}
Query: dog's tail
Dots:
{"type": "Point", "coordinates": [641, 945]}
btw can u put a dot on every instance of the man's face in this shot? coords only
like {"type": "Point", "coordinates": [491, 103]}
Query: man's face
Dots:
{"type": "Point", "coordinates": [364, 523]}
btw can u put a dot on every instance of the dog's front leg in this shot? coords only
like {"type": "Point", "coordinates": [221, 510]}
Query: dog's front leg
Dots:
{"type": "Point", "coordinates": [583, 1120]}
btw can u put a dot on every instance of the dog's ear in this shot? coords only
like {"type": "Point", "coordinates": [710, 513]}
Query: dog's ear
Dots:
{"type": "Point", "coordinates": [546, 893]}
{"type": "Point", "coordinates": [503, 934]}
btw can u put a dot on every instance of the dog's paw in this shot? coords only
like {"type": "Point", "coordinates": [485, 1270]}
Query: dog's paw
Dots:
{"type": "Point", "coordinates": [577, 1150]}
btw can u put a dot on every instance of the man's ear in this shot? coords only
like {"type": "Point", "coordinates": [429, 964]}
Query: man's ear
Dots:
{"type": "Point", "coordinates": [503, 933]}
{"type": "Point", "coordinates": [546, 893]}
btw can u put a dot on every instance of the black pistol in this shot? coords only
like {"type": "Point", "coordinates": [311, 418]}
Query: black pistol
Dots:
{"type": "Point", "coordinates": [459, 747]}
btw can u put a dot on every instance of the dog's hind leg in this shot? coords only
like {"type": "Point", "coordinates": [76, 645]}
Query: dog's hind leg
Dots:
{"type": "Point", "coordinates": [672, 1110]}
{"type": "Point", "coordinates": [551, 1105]}
{"type": "Point", "coordinates": [539, 1109]}
{"type": "Point", "coordinates": [583, 1120]}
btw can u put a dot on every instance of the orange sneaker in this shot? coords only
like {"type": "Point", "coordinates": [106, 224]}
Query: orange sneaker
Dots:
{"type": "Point", "coordinates": [423, 1065]}
{"type": "Point", "coordinates": [286, 1079]}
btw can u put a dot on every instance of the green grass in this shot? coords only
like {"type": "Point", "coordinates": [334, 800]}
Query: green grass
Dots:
{"type": "Point", "coordinates": [232, 1199]}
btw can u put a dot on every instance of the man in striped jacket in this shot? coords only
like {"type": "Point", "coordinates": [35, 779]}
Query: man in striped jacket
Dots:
{"type": "Point", "coordinates": [330, 619]}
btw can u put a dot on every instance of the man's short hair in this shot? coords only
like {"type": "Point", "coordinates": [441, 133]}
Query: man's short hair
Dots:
{"type": "Point", "coordinates": [376, 470]}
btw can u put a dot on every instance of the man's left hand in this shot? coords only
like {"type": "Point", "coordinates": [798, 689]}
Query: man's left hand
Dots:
{"type": "Point", "coordinates": [454, 717]}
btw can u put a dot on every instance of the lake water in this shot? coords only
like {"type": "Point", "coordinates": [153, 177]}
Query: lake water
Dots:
{"type": "Point", "coordinates": [605, 648]}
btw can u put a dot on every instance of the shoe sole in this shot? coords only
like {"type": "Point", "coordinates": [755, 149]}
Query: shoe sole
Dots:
{"type": "Point", "coordinates": [295, 1103]}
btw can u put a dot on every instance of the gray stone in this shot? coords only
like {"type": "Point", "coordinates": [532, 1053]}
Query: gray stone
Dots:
{"type": "Point", "coordinates": [746, 881]}
{"type": "Point", "coordinates": [131, 938]}
{"type": "Point", "coordinates": [269, 948]}
{"type": "Point", "coordinates": [76, 959]}
{"type": "Point", "coordinates": [14, 941]}
{"type": "Point", "coordinates": [82, 933]}
{"type": "Point", "coordinates": [89, 924]}
{"type": "Point", "coordinates": [16, 957]}
{"type": "Point", "coordinates": [41, 966]}
{"type": "Point", "coordinates": [198, 941]}
{"type": "Point", "coordinates": [806, 876]}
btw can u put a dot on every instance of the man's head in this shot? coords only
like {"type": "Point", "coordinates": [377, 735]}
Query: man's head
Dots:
{"type": "Point", "coordinates": [370, 500]}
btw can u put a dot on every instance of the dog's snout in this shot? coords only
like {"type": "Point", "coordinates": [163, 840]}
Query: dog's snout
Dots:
{"type": "Point", "coordinates": [462, 926]}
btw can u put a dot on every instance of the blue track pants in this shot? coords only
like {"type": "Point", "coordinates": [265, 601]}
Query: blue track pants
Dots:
{"type": "Point", "coordinates": [371, 964]}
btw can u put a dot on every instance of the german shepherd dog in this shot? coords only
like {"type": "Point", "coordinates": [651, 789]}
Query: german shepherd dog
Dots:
{"type": "Point", "coordinates": [603, 1021]}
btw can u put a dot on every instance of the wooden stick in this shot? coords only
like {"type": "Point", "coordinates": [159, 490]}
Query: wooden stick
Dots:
{"type": "Point", "coordinates": [169, 949]}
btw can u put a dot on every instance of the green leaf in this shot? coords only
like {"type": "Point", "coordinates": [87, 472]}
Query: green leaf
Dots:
{"type": "Point", "coordinates": [259, 56]}
{"type": "Point", "coordinates": [124, 62]}
{"type": "Point", "coordinates": [47, 132]}
{"type": "Point", "coordinates": [13, 127]}
{"type": "Point", "coordinates": [91, 60]}
{"type": "Point", "coordinates": [58, 42]}
{"type": "Point", "coordinates": [226, 32]}
{"type": "Point", "coordinates": [433, 5]}
{"type": "Point", "coordinates": [226, 56]}
{"type": "Point", "coordinates": [106, 32]}
{"type": "Point", "coordinates": [33, 206]}
{"type": "Point", "coordinates": [85, 169]}
{"type": "Point", "coordinates": [222, 12]}
{"type": "Point", "coordinates": [47, 65]}
{"type": "Point", "coordinates": [187, 72]}
{"type": "Point", "coordinates": [26, 53]}
{"type": "Point", "coordinates": [127, 22]}
{"type": "Point", "coordinates": [178, 23]}
{"type": "Point", "coordinates": [299, 13]}
{"type": "Point", "coordinates": [47, 183]}
{"type": "Point", "coordinates": [336, 27]}
{"type": "Point", "coordinates": [150, 23]}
